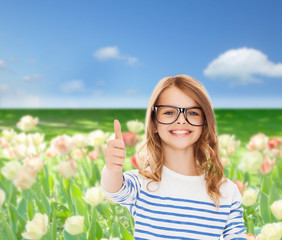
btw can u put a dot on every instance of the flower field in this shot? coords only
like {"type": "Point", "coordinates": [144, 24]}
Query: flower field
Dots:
{"type": "Point", "coordinates": [51, 163]}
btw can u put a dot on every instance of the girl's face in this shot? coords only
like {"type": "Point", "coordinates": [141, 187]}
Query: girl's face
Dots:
{"type": "Point", "coordinates": [179, 135]}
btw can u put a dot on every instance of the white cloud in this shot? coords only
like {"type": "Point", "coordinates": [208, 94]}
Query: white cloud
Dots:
{"type": "Point", "coordinates": [2, 64]}
{"type": "Point", "coordinates": [73, 86]}
{"type": "Point", "coordinates": [32, 77]}
{"type": "Point", "coordinates": [108, 53]}
{"type": "Point", "coordinates": [132, 91]}
{"type": "Point", "coordinates": [131, 60]}
{"type": "Point", "coordinates": [247, 102]}
{"type": "Point", "coordinates": [242, 66]}
{"type": "Point", "coordinates": [20, 99]}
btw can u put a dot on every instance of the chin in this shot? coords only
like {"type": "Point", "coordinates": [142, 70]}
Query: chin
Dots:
{"type": "Point", "coordinates": [179, 147]}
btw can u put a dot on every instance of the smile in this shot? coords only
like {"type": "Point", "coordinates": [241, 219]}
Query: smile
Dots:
{"type": "Point", "coordinates": [180, 132]}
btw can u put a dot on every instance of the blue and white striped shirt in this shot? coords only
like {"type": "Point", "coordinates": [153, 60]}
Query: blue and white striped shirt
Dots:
{"type": "Point", "coordinates": [179, 207]}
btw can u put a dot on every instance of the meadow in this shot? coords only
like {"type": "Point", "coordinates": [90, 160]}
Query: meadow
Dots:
{"type": "Point", "coordinates": [58, 196]}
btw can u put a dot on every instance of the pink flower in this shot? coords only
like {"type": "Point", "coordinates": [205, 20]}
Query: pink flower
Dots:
{"type": "Point", "coordinates": [25, 178]}
{"type": "Point", "coordinates": [138, 161]}
{"type": "Point", "coordinates": [273, 143]}
{"type": "Point", "coordinates": [67, 169]}
{"type": "Point", "coordinates": [93, 155]}
{"type": "Point", "coordinates": [267, 165]}
{"type": "Point", "coordinates": [35, 162]}
{"type": "Point", "coordinates": [4, 143]}
{"type": "Point", "coordinates": [78, 153]}
{"type": "Point", "coordinates": [63, 145]}
{"type": "Point", "coordinates": [134, 162]}
{"type": "Point", "coordinates": [250, 237]}
{"type": "Point", "coordinates": [50, 152]}
{"type": "Point", "coordinates": [130, 139]}
{"type": "Point", "coordinates": [257, 142]}
{"type": "Point", "coordinates": [241, 187]}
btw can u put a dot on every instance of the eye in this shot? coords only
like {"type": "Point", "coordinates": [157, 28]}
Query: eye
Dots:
{"type": "Point", "coordinates": [169, 113]}
{"type": "Point", "coordinates": [193, 113]}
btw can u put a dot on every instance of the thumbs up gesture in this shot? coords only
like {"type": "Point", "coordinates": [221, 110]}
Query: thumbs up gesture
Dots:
{"type": "Point", "coordinates": [115, 152]}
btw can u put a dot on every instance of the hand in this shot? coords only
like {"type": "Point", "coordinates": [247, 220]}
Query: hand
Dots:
{"type": "Point", "coordinates": [115, 152]}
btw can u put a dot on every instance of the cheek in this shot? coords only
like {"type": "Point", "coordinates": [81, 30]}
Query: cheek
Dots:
{"type": "Point", "coordinates": [199, 133]}
{"type": "Point", "coordinates": [161, 130]}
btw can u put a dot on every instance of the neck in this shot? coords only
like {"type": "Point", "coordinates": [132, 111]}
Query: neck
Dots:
{"type": "Point", "coordinates": [181, 161]}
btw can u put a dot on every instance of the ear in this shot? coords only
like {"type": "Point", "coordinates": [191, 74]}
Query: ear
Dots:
{"type": "Point", "coordinates": [155, 129]}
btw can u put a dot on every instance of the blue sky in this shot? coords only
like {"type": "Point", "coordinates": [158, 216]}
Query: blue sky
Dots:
{"type": "Point", "coordinates": [93, 54]}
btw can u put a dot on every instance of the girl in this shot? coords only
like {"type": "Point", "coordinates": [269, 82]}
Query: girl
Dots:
{"type": "Point", "coordinates": [181, 193]}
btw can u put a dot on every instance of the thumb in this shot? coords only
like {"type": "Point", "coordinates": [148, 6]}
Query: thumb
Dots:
{"type": "Point", "coordinates": [117, 130]}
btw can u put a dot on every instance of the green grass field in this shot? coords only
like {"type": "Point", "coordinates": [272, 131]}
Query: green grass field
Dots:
{"type": "Point", "coordinates": [111, 219]}
{"type": "Point", "coordinates": [52, 122]}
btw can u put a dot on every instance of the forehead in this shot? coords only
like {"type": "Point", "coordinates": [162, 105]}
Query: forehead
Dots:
{"type": "Point", "coordinates": [176, 97]}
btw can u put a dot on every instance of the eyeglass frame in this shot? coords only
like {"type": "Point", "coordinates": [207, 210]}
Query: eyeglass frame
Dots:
{"type": "Point", "coordinates": [179, 110]}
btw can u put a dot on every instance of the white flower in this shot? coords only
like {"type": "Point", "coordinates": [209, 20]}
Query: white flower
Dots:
{"type": "Point", "coordinates": [36, 228]}
{"type": "Point", "coordinates": [110, 136]}
{"type": "Point", "coordinates": [276, 209]}
{"type": "Point", "coordinates": [100, 150]}
{"type": "Point", "coordinates": [78, 153]}
{"type": "Point", "coordinates": [2, 197]}
{"type": "Point", "coordinates": [227, 144]}
{"type": "Point", "coordinates": [21, 138]}
{"type": "Point", "coordinates": [96, 138]}
{"type": "Point", "coordinates": [9, 135]}
{"type": "Point", "coordinates": [36, 138]}
{"type": "Point", "coordinates": [35, 162]}
{"type": "Point", "coordinates": [135, 126]}
{"type": "Point", "coordinates": [271, 231]}
{"type": "Point", "coordinates": [11, 169]}
{"type": "Point", "coordinates": [4, 143]}
{"type": "Point", "coordinates": [249, 197]}
{"type": "Point", "coordinates": [51, 152]}
{"type": "Point", "coordinates": [94, 196]}
{"type": "Point", "coordinates": [20, 151]}
{"type": "Point", "coordinates": [257, 142]}
{"type": "Point", "coordinates": [225, 161]}
{"type": "Point", "coordinates": [74, 225]}
{"type": "Point", "coordinates": [79, 140]}
{"type": "Point", "coordinates": [225, 140]}
{"type": "Point", "coordinates": [252, 161]}
{"type": "Point", "coordinates": [63, 145]}
{"type": "Point", "coordinates": [25, 178]}
{"type": "Point", "coordinates": [27, 123]}
{"type": "Point", "coordinates": [67, 169]}
{"type": "Point", "coordinates": [8, 153]}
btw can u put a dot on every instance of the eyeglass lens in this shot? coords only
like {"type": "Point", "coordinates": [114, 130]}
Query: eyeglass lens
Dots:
{"type": "Point", "coordinates": [169, 114]}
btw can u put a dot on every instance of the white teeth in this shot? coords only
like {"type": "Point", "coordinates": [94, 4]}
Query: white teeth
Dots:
{"type": "Point", "coordinates": [180, 132]}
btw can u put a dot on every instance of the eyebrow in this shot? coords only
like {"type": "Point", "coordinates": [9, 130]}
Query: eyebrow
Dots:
{"type": "Point", "coordinates": [176, 106]}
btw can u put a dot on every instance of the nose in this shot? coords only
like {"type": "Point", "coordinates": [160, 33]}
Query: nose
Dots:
{"type": "Point", "coordinates": [181, 118]}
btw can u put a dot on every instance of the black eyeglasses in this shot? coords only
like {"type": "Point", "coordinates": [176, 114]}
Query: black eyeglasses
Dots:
{"type": "Point", "coordinates": [166, 114]}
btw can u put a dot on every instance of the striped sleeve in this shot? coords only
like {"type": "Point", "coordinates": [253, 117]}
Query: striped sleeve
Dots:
{"type": "Point", "coordinates": [129, 192]}
{"type": "Point", "coordinates": [235, 228]}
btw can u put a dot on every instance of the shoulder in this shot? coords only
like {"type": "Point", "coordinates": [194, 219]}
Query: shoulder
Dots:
{"type": "Point", "coordinates": [134, 174]}
{"type": "Point", "coordinates": [229, 190]}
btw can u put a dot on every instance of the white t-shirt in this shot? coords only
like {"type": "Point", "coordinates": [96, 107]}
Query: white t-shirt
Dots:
{"type": "Point", "coordinates": [180, 208]}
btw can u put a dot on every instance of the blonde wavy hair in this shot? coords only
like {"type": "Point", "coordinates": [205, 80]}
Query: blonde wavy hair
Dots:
{"type": "Point", "coordinates": [206, 149]}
